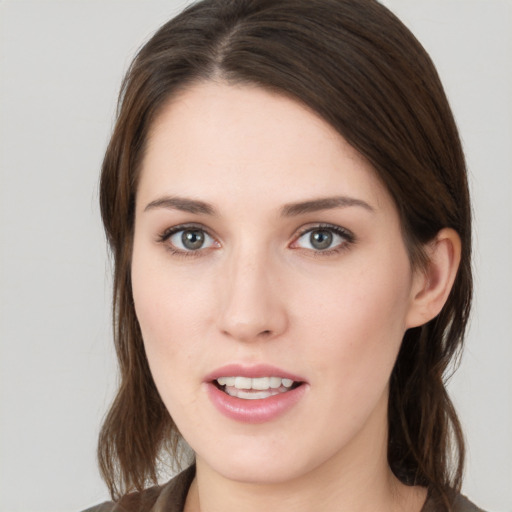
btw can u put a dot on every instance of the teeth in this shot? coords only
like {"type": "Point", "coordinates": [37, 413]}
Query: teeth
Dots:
{"type": "Point", "coordinates": [243, 383]}
{"type": "Point", "coordinates": [251, 395]}
{"type": "Point", "coordinates": [259, 384]}
{"type": "Point", "coordinates": [275, 382]}
{"type": "Point", "coordinates": [226, 381]}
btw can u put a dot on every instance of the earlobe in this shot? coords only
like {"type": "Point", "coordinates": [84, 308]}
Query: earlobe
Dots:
{"type": "Point", "coordinates": [433, 284]}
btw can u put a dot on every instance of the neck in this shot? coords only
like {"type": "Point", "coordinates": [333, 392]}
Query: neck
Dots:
{"type": "Point", "coordinates": [356, 479]}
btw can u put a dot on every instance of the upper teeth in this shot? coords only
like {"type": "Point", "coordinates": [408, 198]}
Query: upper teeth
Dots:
{"type": "Point", "coordinates": [257, 383]}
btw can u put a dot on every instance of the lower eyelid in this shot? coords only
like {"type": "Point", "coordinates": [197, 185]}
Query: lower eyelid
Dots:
{"type": "Point", "coordinates": [165, 238]}
{"type": "Point", "coordinates": [346, 236]}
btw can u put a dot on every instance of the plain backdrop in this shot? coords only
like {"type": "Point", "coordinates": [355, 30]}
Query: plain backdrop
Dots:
{"type": "Point", "coordinates": [61, 64]}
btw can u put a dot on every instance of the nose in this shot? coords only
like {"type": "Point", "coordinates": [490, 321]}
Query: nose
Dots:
{"type": "Point", "coordinates": [251, 302]}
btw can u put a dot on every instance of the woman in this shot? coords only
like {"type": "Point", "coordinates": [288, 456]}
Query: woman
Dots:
{"type": "Point", "coordinates": [285, 197]}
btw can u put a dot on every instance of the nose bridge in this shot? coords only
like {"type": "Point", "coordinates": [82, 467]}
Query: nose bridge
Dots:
{"type": "Point", "coordinates": [251, 306]}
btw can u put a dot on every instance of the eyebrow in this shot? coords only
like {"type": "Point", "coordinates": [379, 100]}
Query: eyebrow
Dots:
{"type": "Point", "coordinates": [324, 203]}
{"type": "Point", "coordinates": [183, 204]}
{"type": "Point", "coordinates": [289, 210]}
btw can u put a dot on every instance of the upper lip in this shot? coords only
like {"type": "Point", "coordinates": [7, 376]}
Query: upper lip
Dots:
{"type": "Point", "coordinates": [251, 371]}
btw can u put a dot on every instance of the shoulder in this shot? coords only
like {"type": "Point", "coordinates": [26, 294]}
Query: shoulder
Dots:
{"type": "Point", "coordinates": [169, 497]}
{"type": "Point", "coordinates": [460, 504]}
{"type": "Point", "coordinates": [108, 506]}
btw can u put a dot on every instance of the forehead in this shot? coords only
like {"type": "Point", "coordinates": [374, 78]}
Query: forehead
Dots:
{"type": "Point", "coordinates": [223, 141]}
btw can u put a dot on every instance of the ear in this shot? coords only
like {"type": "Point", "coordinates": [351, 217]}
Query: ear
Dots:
{"type": "Point", "coordinates": [432, 284]}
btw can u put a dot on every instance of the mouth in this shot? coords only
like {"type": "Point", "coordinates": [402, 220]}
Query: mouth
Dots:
{"type": "Point", "coordinates": [257, 388]}
{"type": "Point", "coordinates": [254, 393]}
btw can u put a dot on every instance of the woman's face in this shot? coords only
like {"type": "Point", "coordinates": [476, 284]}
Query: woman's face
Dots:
{"type": "Point", "coordinates": [271, 283]}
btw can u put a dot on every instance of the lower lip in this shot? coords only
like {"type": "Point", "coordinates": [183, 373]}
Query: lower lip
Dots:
{"type": "Point", "coordinates": [254, 411]}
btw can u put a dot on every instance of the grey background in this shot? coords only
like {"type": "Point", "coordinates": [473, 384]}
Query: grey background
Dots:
{"type": "Point", "coordinates": [61, 63]}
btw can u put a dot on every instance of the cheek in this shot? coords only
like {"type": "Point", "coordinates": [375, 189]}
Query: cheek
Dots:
{"type": "Point", "coordinates": [162, 307]}
{"type": "Point", "coordinates": [358, 320]}
{"type": "Point", "coordinates": [164, 302]}
{"type": "Point", "coordinates": [167, 313]}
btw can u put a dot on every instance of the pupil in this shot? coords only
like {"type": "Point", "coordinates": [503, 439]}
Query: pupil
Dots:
{"type": "Point", "coordinates": [192, 239]}
{"type": "Point", "coordinates": [321, 239]}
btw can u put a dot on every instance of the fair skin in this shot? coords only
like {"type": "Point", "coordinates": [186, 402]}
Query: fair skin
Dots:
{"type": "Point", "coordinates": [238, 259]}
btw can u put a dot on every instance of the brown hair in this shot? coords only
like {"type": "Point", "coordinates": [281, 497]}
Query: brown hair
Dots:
{"type": "Point", "coordinates": [355, 64]}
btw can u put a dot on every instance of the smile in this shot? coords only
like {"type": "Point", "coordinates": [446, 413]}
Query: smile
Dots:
{"type": "Point", "coordinates": [254, 394]}
{"type": "Point", "coordinates": [258, 388]}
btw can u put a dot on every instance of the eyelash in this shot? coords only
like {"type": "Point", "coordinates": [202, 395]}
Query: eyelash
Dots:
{"type": "Point", "coordinates": [168, 233]}
{"type": "Point", "coordinates": [348, 239]}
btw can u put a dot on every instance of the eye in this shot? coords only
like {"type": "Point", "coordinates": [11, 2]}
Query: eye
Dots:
{"type": "Point", "coordinates": [188, 240]}
{"type": "Point", "coordinates": [324, 239]}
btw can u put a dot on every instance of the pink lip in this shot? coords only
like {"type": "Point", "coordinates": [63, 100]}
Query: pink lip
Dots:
{"type": "Point", "coordinates": [253, 411]}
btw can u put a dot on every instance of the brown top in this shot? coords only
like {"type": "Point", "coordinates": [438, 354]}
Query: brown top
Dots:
{"type": "Point", "coordinates": [171, 498]}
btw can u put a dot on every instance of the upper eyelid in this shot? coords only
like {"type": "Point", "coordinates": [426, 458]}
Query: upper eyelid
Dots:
{"type": "Point", "coordinates": [184, 227]}
{"type": "Point", "coordinates": [323, 225]}
{"type": "Point", "coordinates": [340, 230]}
{"type": "Point", "coordinates": [347, 236]}
{"type": "Point", "coordinates": [164, 238]}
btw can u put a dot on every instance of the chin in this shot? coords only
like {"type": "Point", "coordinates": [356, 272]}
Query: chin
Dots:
{"type": "Point", "coordinates": [259, 464]}
{"type": "Point", "coordinates": [261, 474]}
